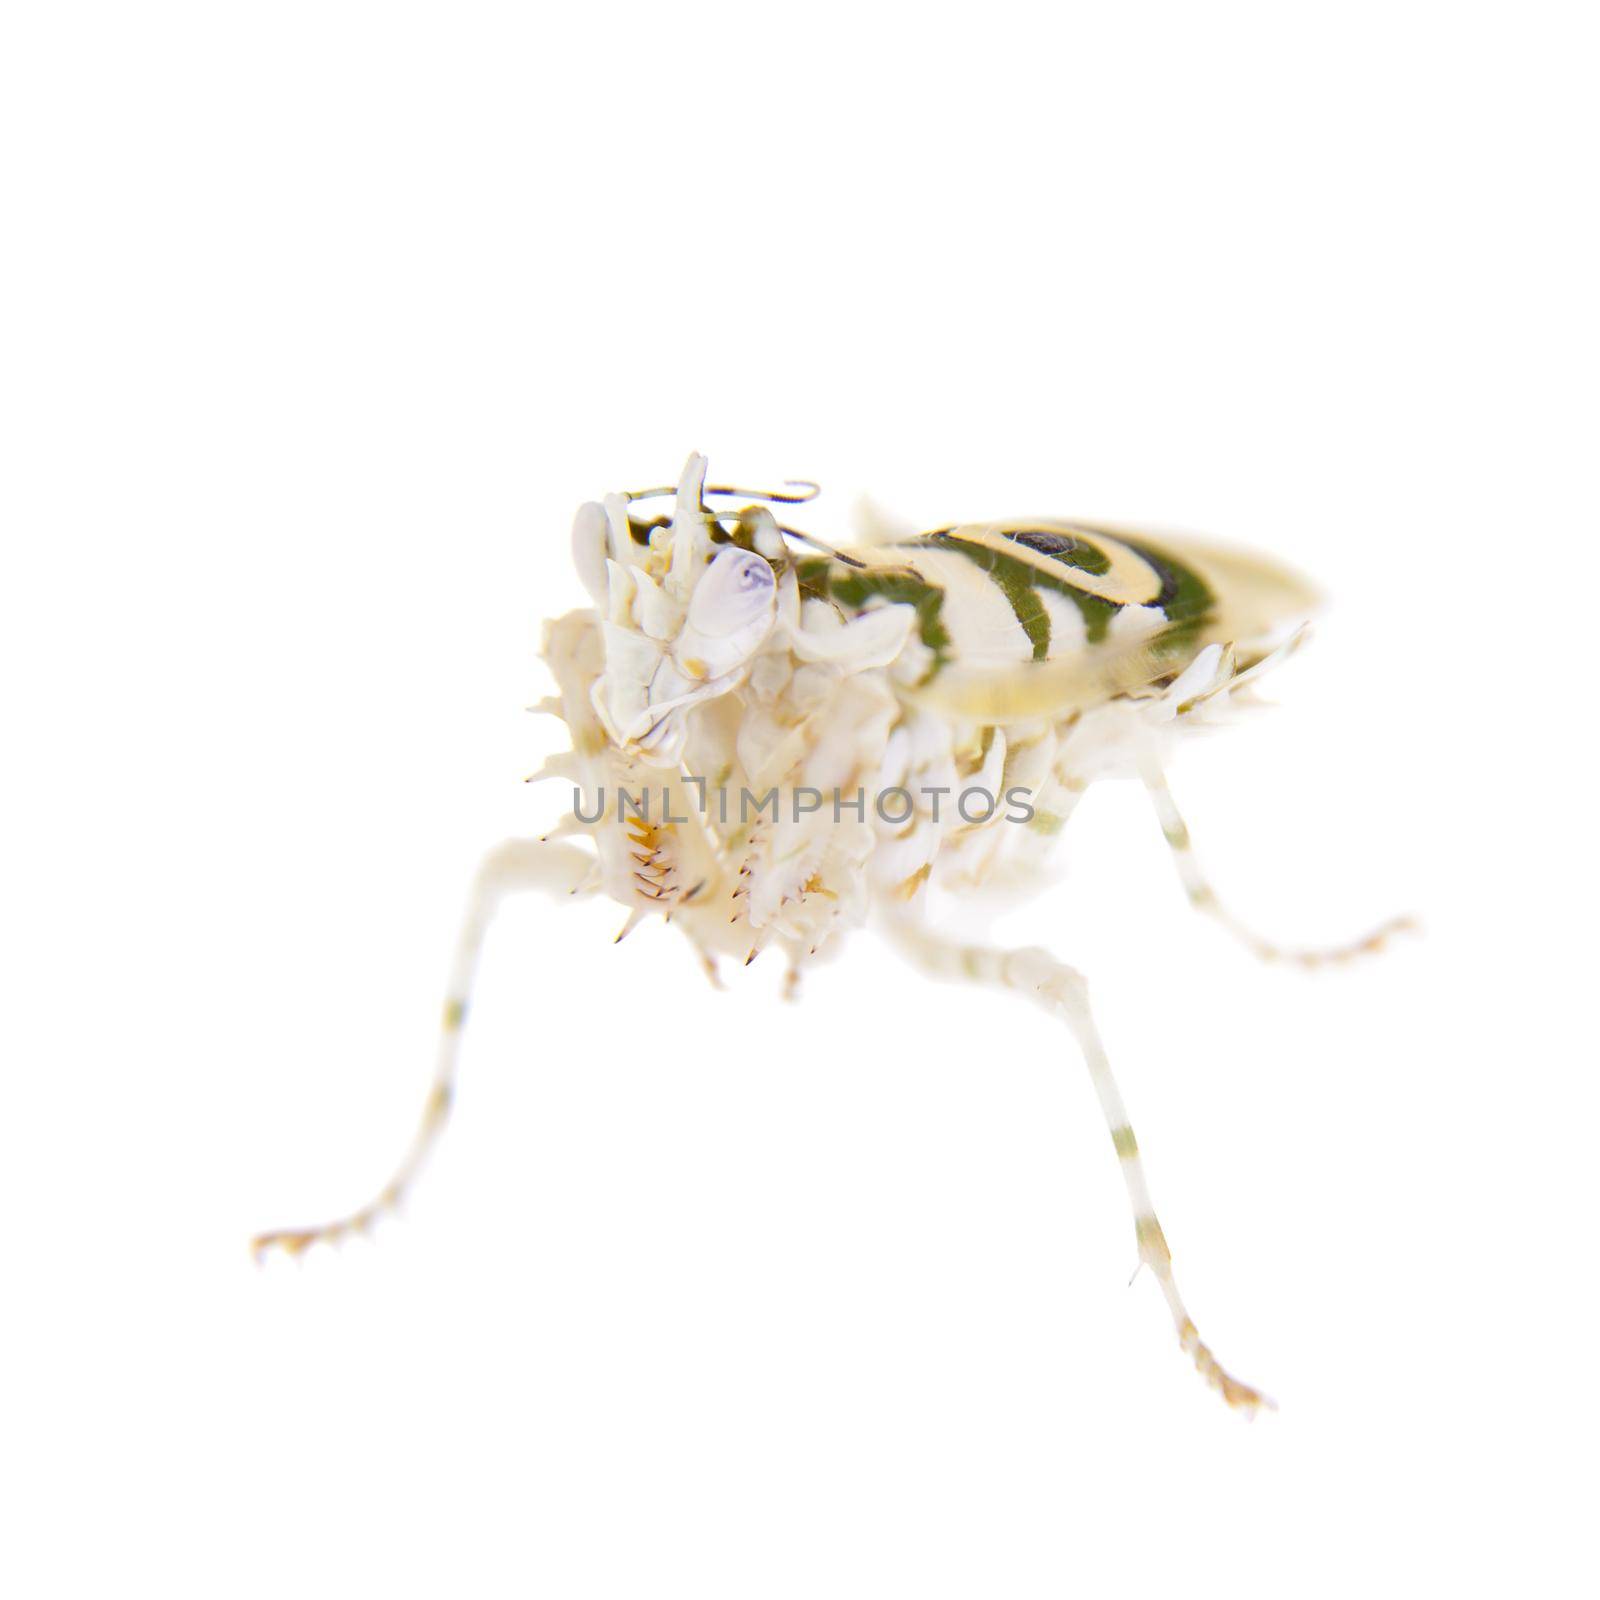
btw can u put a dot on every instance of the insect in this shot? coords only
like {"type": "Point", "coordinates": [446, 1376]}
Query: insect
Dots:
{"type": "Point", "coordinates": [776, 741]}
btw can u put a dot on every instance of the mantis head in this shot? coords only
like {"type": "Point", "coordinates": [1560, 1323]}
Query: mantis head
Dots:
{"type": "Point", "coordinates": [685, 607]}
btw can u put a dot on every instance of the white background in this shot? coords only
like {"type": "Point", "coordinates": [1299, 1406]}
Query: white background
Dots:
{"type": "Point", "coordinates": [318, 322]}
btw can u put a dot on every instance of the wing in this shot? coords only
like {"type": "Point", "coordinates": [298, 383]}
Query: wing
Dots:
{"type": "Point", "coordinates": [1042, 618]}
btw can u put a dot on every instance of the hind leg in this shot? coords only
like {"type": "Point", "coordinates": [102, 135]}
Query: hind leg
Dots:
{"type": "Point", "coordinates": [514, 867]}
{"type": "Point", "coordinates": [1204, 898]}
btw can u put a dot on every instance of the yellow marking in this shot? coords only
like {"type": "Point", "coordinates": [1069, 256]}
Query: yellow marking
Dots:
{"type": "Point", "coordinates": [455, 1012]}
{"type": "Point", "coordinates": [1126, 1145]}
{"type": "Point", "coordinates": [695, 668]}
{"type": "Point", "coordinates": [910, 886]}
{"type": "Point", "coordinates": [1152, 1242]}
{"type": "Point", "coordinates": [1238, 1395]}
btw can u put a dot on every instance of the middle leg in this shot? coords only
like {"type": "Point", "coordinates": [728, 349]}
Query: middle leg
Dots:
{"type": "Point", "coordinates": [1063, 991]}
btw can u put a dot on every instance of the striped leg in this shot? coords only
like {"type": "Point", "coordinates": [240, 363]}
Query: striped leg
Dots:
{"type": "Point", "coordinates": [1062, 991]}
{"type": "Point", "coordinates": [514, 866]}
{"type": "Point", "coordinates": [1204, 898]}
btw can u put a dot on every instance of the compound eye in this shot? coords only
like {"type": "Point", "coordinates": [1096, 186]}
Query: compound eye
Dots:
{"type": "Point", "coordinates": [738, 589]}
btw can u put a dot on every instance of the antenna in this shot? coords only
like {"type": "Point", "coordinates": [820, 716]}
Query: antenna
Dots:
{"type": "Point", "coordinates": [795, 492]}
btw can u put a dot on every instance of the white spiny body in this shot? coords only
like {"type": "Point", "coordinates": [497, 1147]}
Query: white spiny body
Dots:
{"type": "Point", "coordinates": [838, 698]}
{"type": "Point", "coordinates": [723, 681]}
